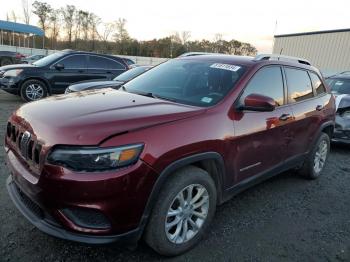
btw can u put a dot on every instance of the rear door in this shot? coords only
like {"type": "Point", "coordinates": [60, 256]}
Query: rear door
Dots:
{"type": "Point", "coordinates": [75, 70]}
{"type": "Point", "coordinates": [104, 68]}
{"type": "Point", "coordinates": [307, 108]}
{"type": "Point", "coordinates": [262, 137]}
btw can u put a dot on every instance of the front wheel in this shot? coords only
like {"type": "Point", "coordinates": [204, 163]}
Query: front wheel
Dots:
{"type": "Point", "coordinates": [316, 161]}
{"type": "Point", "coordinates": [33, 90]}
{"type": "Point", "coordinates": [183, 212]}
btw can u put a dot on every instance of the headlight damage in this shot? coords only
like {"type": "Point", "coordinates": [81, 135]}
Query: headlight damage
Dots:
{"type": "Point", "coordinates": [95, 159]}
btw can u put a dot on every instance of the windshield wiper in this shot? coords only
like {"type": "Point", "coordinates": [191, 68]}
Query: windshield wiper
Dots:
{"type": "Point", "coordinates": [152, 95]}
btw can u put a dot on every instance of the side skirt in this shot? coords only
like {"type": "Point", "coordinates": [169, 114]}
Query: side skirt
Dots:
{"type": "Point", "coordinates": [290, 163]}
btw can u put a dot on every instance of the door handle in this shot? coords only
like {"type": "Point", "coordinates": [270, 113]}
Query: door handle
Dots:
{"type": "Point", "coordinates": [108, 72]}
{"type": "Point", "coordinates": [319, 107]}
{"type": "Point", "coordinates": [285, 117]}
{"type": "Point", "coordinates": [81, 71]}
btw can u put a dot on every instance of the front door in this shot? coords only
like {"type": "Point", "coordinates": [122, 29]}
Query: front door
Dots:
{"type": "Point", "coordinates": [262, 137]}
{"type": "Point", "coordinates": [74, 70]}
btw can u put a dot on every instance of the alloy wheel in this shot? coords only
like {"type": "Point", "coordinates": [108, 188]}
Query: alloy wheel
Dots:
{"type": "Point", "coordinates": [34, 92]}
{"type": "Point", "coordinates": [320, 156]}
{"type": "Point", "coordinates": [187, 214]}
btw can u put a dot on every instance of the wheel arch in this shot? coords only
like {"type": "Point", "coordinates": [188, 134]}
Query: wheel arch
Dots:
{"type": "Point", "coordinates": [212, 162]}
{"type": "Point", "coordinates": [47, 84]}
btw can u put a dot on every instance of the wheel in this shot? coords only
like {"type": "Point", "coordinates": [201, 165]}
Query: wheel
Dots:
{"type": "Point", "coordinates": [5, 61]}
{"type": "Point", "coordinates": [33, 90]}
{"type": "Point", "coordinates": [317, 158]}
{"type": "Point", "coordinates": [183, 212]}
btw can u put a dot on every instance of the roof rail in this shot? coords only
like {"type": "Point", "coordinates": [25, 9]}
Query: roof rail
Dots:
{"type": "Point", "coordinates": [282, 58]}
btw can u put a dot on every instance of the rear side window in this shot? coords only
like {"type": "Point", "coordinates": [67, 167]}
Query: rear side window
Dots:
{"type": "Point", "coordinates": [97, 62]}
{"type": "Point", "coordinates": [317, 84]}
{"type": "Point", "coordinates": [267, 82]}
{"type": "Point", "coordinates": [299, 85]}
{"type": "Point", "coordinates": [74, 62]}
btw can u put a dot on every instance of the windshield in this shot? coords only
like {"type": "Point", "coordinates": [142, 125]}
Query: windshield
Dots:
{"type": "Point", "coordinates": [188, 81]}
{"type": "Point", "coordinates": [48, 59]}
{"type": "Point", "coordinates": [130, 74]}
{"type": "Point", "coordinates": [339, 86]}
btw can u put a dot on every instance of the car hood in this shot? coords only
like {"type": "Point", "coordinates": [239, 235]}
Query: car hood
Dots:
{"type": "Point", "coordinates": [93, 85]}
{"type": "Point", "coordinates": [88, 118]}
{"type": "Point", "coordinates": [17, 66]}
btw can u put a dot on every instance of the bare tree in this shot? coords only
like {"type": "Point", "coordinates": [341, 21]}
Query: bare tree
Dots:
{"type": "Point", "coordinates": [185, 36]}
{"type": "Point", "coordinates": [68, 13]}
{"type": "Point", "coordinates": [26, 11]}
{"type": "Point", "coordinates": [94, 21]}
{"type": "Point", "coordinates": [54, 26]}
{"type": "Point", "coordinates": [13, 16]}
{"type": "Point", "coordinates": [43, 11]}
{"type": "Point", "coordinates": [121, 33]}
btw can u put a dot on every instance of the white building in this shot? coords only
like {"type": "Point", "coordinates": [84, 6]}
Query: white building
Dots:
{"type": "Point", "coordinates": [327, 50]}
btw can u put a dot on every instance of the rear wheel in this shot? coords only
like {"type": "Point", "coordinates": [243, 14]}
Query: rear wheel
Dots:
{"type": "Point", "coordinates": [33, 90]}
{"type": "Point", "coordinates": [315, 162]}
{"type": "Point", "coordinates": [183, 212]}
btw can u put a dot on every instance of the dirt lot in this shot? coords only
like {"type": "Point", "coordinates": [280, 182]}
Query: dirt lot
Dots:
{"type": "Point", "coordinates": [284, 219]}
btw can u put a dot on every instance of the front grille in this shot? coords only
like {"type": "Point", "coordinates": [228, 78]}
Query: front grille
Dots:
{"type": "Point", "coordinates": [25, 144]}
{"type": "Point", "coordinates": [33, 207]}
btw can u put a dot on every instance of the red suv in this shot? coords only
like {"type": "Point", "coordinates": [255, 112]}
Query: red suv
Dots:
{"type": "Point", "coordinates": [154, 158]}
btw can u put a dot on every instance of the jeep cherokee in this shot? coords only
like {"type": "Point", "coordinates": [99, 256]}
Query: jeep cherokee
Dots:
{"type": "Point", "coordinates": [154, 158]}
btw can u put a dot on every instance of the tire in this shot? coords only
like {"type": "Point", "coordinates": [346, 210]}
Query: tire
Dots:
{"type": "Point", "coordinates": [309, 169]}
{"type": "Point", "coordinates": [35, 86]}
{"type": "Point", "coordinates": [157, 236]}
{"type": "Point", "coordinates": [5, 61]}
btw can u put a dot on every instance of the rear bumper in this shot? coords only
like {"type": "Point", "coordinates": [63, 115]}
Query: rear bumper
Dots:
{"type": "Point", "coordinates": [45, 223]}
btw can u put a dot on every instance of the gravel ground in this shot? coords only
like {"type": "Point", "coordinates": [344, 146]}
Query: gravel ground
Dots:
{"type": "Point", "coordinates": [284, 219]}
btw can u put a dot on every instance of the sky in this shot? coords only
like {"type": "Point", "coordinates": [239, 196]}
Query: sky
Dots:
{"type": "Point", "coordinates": [252, 21]}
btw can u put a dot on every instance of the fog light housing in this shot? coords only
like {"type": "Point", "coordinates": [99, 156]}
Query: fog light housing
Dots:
{"type": "Point", "coordinates": [87, 218]}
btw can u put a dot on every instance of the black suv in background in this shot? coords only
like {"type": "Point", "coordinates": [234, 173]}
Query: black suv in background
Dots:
{"type": "Point", "coordinates": [54, 73]}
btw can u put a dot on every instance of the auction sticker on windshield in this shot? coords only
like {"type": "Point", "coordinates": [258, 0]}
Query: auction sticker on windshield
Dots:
{"type": "Point", "coordinates": [233, 68]}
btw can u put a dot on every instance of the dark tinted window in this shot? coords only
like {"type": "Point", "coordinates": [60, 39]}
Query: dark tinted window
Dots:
{"type": "Point", "coordinates": [299, 85]}
{"type": "Point", "coordinates": [317, 83]}
{"type": "Point", "coordinates": [98, 62]}
{"type": "Point", "coordinates": [74, 62]}
{"type": "Point", "coordinates": [268, 82]}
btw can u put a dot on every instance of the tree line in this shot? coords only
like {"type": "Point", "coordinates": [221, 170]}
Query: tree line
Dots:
{"type": "Point", "coordinates": [84, 30]}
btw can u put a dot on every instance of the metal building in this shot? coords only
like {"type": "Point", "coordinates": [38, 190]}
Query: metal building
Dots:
{"type": "Point", "coordinates": [327, 50]}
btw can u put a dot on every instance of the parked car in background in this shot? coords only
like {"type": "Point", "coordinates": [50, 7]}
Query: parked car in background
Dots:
{"type": "Point", "coordinates": [115, 83]}
{"type": "Point", "coordinates": [54, 73]}
{"type": "Point", "coordinates": [9, 58]}
{"type": "Point", "coordinates": [153, 159]}
{"type": "Point", "coordinates": [31, 59]}
{"type": "Point", "coordinates": [340, 87]}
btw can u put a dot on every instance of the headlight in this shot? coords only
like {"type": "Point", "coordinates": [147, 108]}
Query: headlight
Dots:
{"type": "Point", "coordinates": [12, 73]}
{"type": "Point", "coordinates": [95, 159]}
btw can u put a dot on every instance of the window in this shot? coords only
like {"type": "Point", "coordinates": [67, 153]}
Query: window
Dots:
{"type": "Point", "coordinates": [98, 62]}
{"type": "Point", "coordinates": [299, 85]}
{"type": "Point", "coordinates": [340, 86]}
{"type": "Point", "coordinates": [267, 82]}
{"type": "Point", "coordinates": [317, 84]}
{"type": "Point", "coordinates": [74, 62]}
{"type": "Point", "coordinates": [187, 81]}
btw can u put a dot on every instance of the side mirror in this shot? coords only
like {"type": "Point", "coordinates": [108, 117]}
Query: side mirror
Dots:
{"type": "Point", "coordinates": [59, 66]}
{"type": "Point", "coordinates": [260, 103]}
